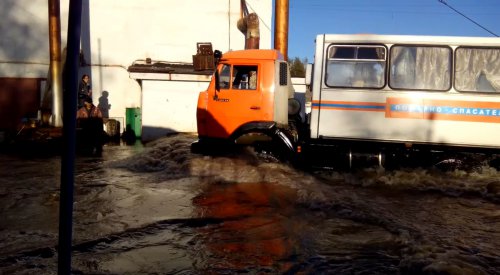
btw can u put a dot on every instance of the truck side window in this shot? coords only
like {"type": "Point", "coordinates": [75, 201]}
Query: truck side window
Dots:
{"type": "Point", "coordinates": [245, 77]}
{"type": "Point", "coordinates": [225, 77]}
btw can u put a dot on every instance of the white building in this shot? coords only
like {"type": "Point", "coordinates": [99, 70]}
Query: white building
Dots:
{"type": "Point", "coordinates": [115, 35]}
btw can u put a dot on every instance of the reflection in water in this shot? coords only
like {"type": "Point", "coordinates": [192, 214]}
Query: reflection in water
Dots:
{"type": "Point", "coordinates": [159, 209]}
{"type": "Point", "coordinates": [256, 234]}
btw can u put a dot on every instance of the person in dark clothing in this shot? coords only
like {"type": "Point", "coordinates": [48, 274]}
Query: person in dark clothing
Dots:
{"type": "Point", "coordinates": [84, 90]}
{"type": "Point", "coordinates": [90, 130]}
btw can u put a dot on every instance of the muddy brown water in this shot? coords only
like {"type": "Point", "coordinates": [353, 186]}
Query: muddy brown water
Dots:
{"type": "Point", "coordinates": [159, 209]}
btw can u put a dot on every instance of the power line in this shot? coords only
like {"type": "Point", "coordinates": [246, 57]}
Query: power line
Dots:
{"type": "Point", "coordinates": [446, 4]}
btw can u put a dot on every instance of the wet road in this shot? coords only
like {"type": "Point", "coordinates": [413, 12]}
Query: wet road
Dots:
{"type": "Point", "coordinates": [158, 209]}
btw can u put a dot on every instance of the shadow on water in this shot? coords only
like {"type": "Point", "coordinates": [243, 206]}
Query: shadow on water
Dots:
{"type": "Point", "coordinates": [159, 209]}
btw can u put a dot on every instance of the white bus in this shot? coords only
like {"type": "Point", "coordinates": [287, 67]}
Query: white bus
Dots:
{"type": "Point", "coordinates": [413, 90]}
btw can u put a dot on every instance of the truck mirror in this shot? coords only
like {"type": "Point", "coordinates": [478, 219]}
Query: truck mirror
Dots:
{"type": "Point", "coordinates": [217, 57]}
{"type": "Point", "coordinates": [309, 69]}
{"type": "Point", "coordinates": [217, 80]}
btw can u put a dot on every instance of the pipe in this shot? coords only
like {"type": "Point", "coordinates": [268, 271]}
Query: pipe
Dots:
{"type": "Point", "coordinates": [281, 8]}
{"type": "Point", "coordinates": [55, 62]}
{"type": "Point", "coordinates": [248, 24]}
{"type": "Point", "coordinates": [252, 38]}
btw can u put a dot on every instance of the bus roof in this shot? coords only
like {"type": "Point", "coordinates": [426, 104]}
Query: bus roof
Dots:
{"type": "Point", "coordinates": [410, 39]}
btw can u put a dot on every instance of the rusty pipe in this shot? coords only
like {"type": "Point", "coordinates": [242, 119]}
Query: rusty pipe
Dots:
{"type": "Point", "coordinates": [281, 10]}
{"type": "Point", "coordinates": [248, 24]}
{"type": "Point", "coordinates": [252, 37]}
{"type": "Point", "coordinates": [55, 62]}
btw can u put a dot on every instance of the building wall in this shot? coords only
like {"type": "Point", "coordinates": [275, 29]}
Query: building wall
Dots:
{"type": "Point", "coordinates": [24, 46]}
{"type": "Point", "coordinates": [117, 33]}
{"type": "Point", "coordinates": [170, 106]}
{"type": "Point", "coordinates": [19, 98]}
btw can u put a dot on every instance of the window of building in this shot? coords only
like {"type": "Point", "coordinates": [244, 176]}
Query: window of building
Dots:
{"type": "Point", "coordinates": [477, 70]}
{"type": "Point", "coordinates": [356, 66]}
{"type": "Point", "coordinates": [420, 68]}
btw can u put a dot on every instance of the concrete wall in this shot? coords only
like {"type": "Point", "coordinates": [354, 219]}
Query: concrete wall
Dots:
{"type": "Point", "coordinates": [24, 43]}
{"type": "Point", "coordinates": [117, 33]}
{"type": "Point", "coordinates": [170, 106]}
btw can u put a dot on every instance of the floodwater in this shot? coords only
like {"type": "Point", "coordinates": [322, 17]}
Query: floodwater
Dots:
{"type": "Point", "coordinates": [159, 209]}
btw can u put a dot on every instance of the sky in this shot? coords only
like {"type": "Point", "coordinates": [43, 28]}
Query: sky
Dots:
{"type": "Point", "coordinates": [307, 18]}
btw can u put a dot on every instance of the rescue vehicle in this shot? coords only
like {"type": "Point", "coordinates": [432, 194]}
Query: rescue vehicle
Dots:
{"type": "Point", "coordinates": [374, 94]}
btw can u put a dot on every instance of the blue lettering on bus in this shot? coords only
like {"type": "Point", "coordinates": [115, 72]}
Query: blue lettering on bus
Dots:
{"type": "Point", "coordinates": [416, 108]}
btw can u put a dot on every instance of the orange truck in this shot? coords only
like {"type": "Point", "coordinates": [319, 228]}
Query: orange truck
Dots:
{"type": "Point", "coordinates": [249, 100]}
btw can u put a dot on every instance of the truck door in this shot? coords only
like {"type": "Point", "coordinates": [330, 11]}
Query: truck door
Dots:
{"type": "Point", "coordinates": [238, 101]}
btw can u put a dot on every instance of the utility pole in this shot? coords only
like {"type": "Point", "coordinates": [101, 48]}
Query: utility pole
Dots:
{"type": "Point", "coordinates": [70, 87]}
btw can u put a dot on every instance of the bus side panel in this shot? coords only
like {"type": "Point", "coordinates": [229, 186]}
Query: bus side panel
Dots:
{"type": "Point", "coordinates": [436, 118]}
{"type": "Point", "coordinates": [451, 117]}
{"type": "Point", "coordinates": [316, 84]}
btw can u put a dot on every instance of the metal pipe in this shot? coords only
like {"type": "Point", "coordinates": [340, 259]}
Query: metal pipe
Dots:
{"type": "Point", "coordinates": [229, 25]}
{"type": "Point", "coordinates": [281, 27]}
{"type": "Point", "coordinates": [252, 37]}
{"type": "Point", "coordinates": [55, 62]}
{"type": "Point", "coordinates": [248, 24]}
{"type": "Point", "coordinates": [24, 62]}
{"type": "Point", "coordinates": [70, 89]}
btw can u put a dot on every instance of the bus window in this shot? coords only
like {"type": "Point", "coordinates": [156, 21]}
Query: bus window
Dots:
{"type": "Point", "coordinates": [356, 66]}
{"type": "Point", "coordinates": [345, 52]}
{"type": "Point", "coordinates": [420, 68]}
{"type": "Point", "coordinates": [477, 70]}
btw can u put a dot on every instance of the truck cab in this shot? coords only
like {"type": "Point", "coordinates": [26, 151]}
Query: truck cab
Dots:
{"type": "Point", "coordinates": [247, 95]}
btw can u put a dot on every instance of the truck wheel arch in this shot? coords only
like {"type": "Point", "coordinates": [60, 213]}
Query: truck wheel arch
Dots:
{"type": "Point", "coordinates": [284, 145]}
